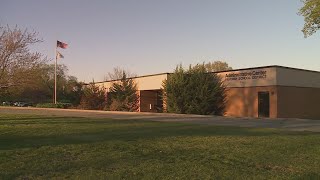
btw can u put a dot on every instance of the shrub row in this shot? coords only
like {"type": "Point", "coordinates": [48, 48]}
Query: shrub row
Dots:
{"type": "Point", "coordinates": [52, 105]}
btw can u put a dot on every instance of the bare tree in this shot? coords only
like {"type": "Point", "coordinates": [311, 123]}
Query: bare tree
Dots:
{"type": "Point", "coordinates": [117, 74]}
{"type": "Point", "coordinates": [17, 63]}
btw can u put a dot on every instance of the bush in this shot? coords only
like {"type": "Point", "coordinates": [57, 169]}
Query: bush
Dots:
{"type": "Point", "coordinates": [123, 95]}
{"type": "Point", "coordinates": [194, 91]}
{"type": "Point", "coordinates": [93, 98]}
{"type": "Point", "coordinates": [52, 105]}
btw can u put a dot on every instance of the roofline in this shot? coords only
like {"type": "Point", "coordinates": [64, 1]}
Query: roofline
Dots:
{"type": "Point", "coordinates": [241, 69]}
{"type": "Point", "coordinates": [133, 77]}
{"type": "Point", "coordinates": [271, 66]}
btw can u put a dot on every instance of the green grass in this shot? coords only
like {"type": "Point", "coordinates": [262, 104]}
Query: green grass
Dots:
{"type": "Point", "coordinates": [37, 147]}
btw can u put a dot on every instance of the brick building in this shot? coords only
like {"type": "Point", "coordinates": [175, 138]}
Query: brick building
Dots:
{"type": "Point", "coordinates": [268, 91]}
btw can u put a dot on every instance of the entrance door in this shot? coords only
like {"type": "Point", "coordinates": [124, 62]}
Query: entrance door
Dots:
{"type": "Point", "coordinates": [263, 104]}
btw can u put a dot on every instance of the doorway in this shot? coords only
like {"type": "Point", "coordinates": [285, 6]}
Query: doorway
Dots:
{"type": "Point", "coordinates": [263, 104]}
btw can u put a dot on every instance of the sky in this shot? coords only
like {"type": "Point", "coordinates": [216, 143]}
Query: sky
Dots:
{"type": "Point", "coordinates": [149, 36]}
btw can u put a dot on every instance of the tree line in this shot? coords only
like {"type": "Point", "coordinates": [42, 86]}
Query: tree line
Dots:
{"type": "Point", "coordinates": [26, 75]}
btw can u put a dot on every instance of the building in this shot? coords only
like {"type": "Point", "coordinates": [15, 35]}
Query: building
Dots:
{"type": "Point", "coordinates": [268, 91]}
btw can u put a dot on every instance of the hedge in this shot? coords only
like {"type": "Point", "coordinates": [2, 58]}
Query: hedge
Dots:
{"type": "Point", "coordinates": [52, 105]}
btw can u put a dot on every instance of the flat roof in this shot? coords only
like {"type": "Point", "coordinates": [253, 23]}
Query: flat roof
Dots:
{"type": "Point", "coordinates": [241, 69]}
{"type": "Point", "coordinates": [134, 77]}
{"type": "Point", "coordinates": [271, 66]}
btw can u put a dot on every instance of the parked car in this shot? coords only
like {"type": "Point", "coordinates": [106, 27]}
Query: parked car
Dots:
{"type": "Point", "coordinates": [22, 104]}
{"type": "Point", "coordinates": [7, 103]}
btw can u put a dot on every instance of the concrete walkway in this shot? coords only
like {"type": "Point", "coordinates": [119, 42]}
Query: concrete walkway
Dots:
{"type": "Point", "coordinates": [281, 123]}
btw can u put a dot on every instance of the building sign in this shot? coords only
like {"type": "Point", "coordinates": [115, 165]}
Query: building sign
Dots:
{"type": "Point", "coordinates": [247, 75]}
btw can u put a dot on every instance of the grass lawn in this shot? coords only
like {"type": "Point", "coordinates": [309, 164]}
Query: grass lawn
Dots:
{"type": "Point", "coordinates": [38, 147]}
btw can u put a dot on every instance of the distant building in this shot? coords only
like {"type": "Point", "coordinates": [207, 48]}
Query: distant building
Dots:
{"type": "Point", "coordinates": [268, 91]}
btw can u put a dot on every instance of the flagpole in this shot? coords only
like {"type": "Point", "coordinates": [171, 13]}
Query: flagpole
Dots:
{"type": "Point", "coordinates": [63, 46]}
{"type": "Point", "coordinates": [55, 77]}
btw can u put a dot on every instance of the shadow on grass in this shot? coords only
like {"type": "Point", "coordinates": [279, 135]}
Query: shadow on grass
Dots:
{"type": "Point", "coordinates": [17, 118]}
{"type": "Point", "coordinates": [115, 130]}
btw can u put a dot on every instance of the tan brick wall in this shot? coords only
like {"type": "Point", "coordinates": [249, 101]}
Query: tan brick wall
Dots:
{"type": "Point", "coordinates": [243, 102]}
{"type": "Point", "coordinates": [152, 82]}
{"type": "Point", "coordinates": [297, 78]}
{"type": "Point", "coordinates": [298, 102]}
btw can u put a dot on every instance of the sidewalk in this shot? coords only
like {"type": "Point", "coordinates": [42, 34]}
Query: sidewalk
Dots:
{"type": "Point", "coordinates": [280, 123]}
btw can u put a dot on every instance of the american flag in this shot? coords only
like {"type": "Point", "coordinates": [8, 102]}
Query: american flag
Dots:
{"type": "Point", "coordinates": [62, 45]}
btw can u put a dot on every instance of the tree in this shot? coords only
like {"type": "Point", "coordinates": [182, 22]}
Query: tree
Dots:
{"type": "Point", "coordinates": [18, 65]}
{"type": "Point", "coordinates": [72, 91]}
{"type": "Point", "coordinates": [45, 81]}
{"type": "Point", "coordinates": [194, 91]}
{"type": "Point", "coordinates": [42, 87]}
{"type": "Point", "coordinates": [93, 97]}
{"type": "Point", "coordinates": [311, 13]}
{"type": "Point", "coordinates": [68, 87]}
{"type": "Point", "coordinates": [217, 66]}
{"type": "Point", "coordinates": [123, 95]}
